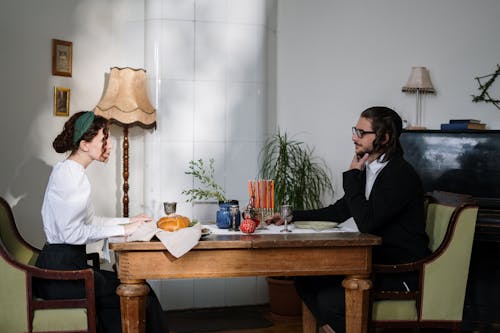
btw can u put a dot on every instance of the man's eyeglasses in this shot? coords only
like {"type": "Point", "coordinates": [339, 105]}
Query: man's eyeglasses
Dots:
{"type": "Point", "coordinates": [360, 133]}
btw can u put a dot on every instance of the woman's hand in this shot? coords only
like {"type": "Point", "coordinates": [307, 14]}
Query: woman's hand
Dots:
{"type": "Point", "coordinates": [135, 223]}
{"type": "Point", "coordinates": [141, 217]}
{"type": "Point", "coordinates": [276, 219]}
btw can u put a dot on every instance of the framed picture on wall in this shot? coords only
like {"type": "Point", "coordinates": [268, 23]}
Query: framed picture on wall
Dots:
{"type": "Point", "coordinates": [62, 57]}
{"type": "Point", "coordinates": [61, 101]}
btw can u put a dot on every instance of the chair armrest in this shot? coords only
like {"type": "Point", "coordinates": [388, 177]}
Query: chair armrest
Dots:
{"type": "Point", "coordinates": [397, 268]}
{"type": "Point", "coordinates": [394, 295]}
{"type": "Point", "coordinates": [394, 270]}
{"type": "Point", "coordinates": [87, 275]}
{"type": "Point", "coordinates": [87, 302]}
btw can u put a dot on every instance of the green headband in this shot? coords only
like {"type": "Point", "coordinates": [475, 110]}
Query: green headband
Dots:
{"type": "Point", "coordinates": [82, 125]}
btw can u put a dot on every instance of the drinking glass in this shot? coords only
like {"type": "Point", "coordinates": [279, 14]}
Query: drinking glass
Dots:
{"type": "Point", "coordinates": [170, 208]}
{"type": "Point", "coordinates": [234, 210]}
{"type": "Point", "coordinates": [286, 212]}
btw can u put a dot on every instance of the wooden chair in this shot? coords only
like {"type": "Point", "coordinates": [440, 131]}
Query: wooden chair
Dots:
{"type": "Point", "coordinates": [20, 310]}
{"type": "Point", "coordinates": [450, 224]}
{"type": "Point", "coordinates": [439, 302]}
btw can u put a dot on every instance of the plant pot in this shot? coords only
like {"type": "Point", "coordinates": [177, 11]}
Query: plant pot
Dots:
{"type": "Point", "coordinates": [283, 298]}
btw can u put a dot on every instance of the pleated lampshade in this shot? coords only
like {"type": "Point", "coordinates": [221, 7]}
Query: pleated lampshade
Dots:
{"type": "Point", "coordinates": [125, 101]}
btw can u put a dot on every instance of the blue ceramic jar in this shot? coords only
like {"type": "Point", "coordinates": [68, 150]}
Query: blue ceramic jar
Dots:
{"type": "Point", "coordinates": [224, 219]}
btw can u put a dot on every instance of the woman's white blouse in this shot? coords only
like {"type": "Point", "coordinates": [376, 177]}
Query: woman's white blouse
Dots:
{"type": "Point", "coordinates": [67, 210]}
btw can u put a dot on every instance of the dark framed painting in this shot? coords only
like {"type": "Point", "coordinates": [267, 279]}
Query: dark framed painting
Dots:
{"type": "Point", "coordinates": [61, 101]}
{"type": "Point", "coordinates": [62, 57]}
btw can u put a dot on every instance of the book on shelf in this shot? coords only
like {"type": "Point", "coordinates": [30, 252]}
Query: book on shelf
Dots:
{"type": "Point", "coordinates": [461, 121]}
{"type": "Point", "coordinates": [463, 126]}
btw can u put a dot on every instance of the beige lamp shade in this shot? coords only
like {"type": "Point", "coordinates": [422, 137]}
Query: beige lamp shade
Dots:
{"type": "Point", "coordinates": [125, 101]}
{"type": "Point", "coordinates": [419, 80]}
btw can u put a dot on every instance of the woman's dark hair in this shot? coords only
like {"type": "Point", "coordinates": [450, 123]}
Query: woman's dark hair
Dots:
{"type": "Point", "coordinates": [64, 141]}
{"type": "Point", "coordinates": [385, 120]}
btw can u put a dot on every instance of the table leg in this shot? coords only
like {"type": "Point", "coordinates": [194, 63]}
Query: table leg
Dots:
{"type": "Point", "coordinates": [357, 289]}
{"type": "Point", "coordinates": [133, 305]}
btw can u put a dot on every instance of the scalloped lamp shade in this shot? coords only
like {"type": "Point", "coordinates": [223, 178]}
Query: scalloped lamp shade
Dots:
{"type": "Point", "coordinates": [125, 101]}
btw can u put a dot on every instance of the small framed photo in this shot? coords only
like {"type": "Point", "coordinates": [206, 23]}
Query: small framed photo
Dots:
{"type": "Point", "coordinates": [61, 101]}
{"type": "Point", "coordinates": [62, 57]}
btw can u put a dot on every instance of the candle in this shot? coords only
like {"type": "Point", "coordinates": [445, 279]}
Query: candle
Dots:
{"type": "Point", "coordinates": [264, 194]}
{"type": "Point", "coordinates": [272, 194]}
{"type": "Point", "coordinates": [257, 195]}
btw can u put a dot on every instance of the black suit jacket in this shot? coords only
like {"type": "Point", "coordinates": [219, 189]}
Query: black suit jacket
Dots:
{"type": "Point", "coordinates": [394, 211]}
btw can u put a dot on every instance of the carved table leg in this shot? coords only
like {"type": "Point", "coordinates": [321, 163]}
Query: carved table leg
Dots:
{"type": "Point", "coordinates": [357, 288]}
{"type": "Point", "coordinates": [133, 306]}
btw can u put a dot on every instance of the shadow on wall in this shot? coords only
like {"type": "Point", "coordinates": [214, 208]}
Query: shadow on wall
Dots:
{"type": "Point", "coordinates": [25, 195]}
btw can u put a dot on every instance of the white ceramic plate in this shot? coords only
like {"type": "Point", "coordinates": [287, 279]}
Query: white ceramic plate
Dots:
{"type": "Point", "coordinates": [315, 225]}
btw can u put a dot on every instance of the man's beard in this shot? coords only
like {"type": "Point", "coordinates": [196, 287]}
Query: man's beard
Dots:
{"type": "Point", "coordinates": [362, 152]}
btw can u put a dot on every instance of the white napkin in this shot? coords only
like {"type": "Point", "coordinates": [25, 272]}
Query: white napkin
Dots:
{"type": "Point", "coordinates": [181, 241]}
{"type": "Point", "coordinates": [177, 242]}
{"type": "Point", "coordinates": [144, 233]}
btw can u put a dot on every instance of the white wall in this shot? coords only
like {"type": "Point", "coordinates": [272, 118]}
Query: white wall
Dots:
{"type": "Point", "coordinates": [336, 58]}
{"type": "Point", "coordinates": [208, 64]}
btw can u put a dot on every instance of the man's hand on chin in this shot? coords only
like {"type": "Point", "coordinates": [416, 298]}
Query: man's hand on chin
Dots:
{"type": "Point", "coordinates": [359, 162]}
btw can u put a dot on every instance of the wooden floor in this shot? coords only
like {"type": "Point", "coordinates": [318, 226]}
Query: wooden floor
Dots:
{"type": "Point", "coordinates": [183, 321]}
{"type": "Point", "coordinates": [280, 324]}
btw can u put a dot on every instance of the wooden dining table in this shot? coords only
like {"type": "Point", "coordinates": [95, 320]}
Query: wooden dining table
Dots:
{"type": "Point", "coordinates": [238, 255]}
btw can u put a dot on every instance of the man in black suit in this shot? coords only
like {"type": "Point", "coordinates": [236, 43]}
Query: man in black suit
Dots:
{"type": "Point", "coordinates": [384, 195]}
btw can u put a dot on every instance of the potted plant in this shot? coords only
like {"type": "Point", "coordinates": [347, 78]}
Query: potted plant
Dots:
{"type": "Point", "coordinates": [300, 180]}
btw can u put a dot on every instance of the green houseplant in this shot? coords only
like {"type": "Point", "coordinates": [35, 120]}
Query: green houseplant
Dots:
{"type": "Point", "coordinates": [300, 180]}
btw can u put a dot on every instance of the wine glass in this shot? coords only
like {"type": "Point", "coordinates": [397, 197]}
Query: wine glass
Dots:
{"type": "Point", "coordinates": [286, 212]}
{"type": "Point", "coordinates": [234, 210]}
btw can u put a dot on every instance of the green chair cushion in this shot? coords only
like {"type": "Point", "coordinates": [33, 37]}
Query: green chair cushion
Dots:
{"type": "Point", "coordinates": [60, 320]}
{"type": "Point", "coordinates": [394, 310]}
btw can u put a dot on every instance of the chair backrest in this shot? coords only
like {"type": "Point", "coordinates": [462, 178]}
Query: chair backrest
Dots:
{"type": "Point", "coordinates": [444, 277]}
{"type": "Point", "coordinates": [437, 222]}
{"type": "Point", "coordinates": [15, 245]}
{"type": "Point", "coordinates": [14, 300]}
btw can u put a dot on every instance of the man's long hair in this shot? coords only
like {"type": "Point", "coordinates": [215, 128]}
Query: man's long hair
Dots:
{"type": "Point", "coordinates": [385, 120]}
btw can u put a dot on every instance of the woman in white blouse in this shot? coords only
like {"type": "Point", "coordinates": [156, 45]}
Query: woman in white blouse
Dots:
{"type": "Point", "coordinates": [69, 222]}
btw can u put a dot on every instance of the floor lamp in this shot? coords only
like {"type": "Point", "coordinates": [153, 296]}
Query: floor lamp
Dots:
{"type": "Point", "coordinates": [125, 103]}
{"type": "Point", "coordinates": [419, 83]}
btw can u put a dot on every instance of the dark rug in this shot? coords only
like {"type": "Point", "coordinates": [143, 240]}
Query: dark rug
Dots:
{"type": "Point", "coordinates": [218, 319]}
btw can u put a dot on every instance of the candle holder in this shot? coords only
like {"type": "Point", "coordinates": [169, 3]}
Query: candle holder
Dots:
{"type": "Point", "coordinates": [262, 215]}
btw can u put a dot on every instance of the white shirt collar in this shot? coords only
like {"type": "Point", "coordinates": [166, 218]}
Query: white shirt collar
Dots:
{"type": "Point", "coordinates": [372, 171]}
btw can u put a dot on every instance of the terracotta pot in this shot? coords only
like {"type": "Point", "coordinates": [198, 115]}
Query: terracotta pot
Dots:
{"type": "Point", "coordinates": [283, 298]}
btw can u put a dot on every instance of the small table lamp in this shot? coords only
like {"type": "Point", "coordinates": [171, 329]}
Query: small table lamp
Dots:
{"type": "Point", "coordinates": [420, 83]}
{"type": "Point", "coordinates": [125, 103]}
